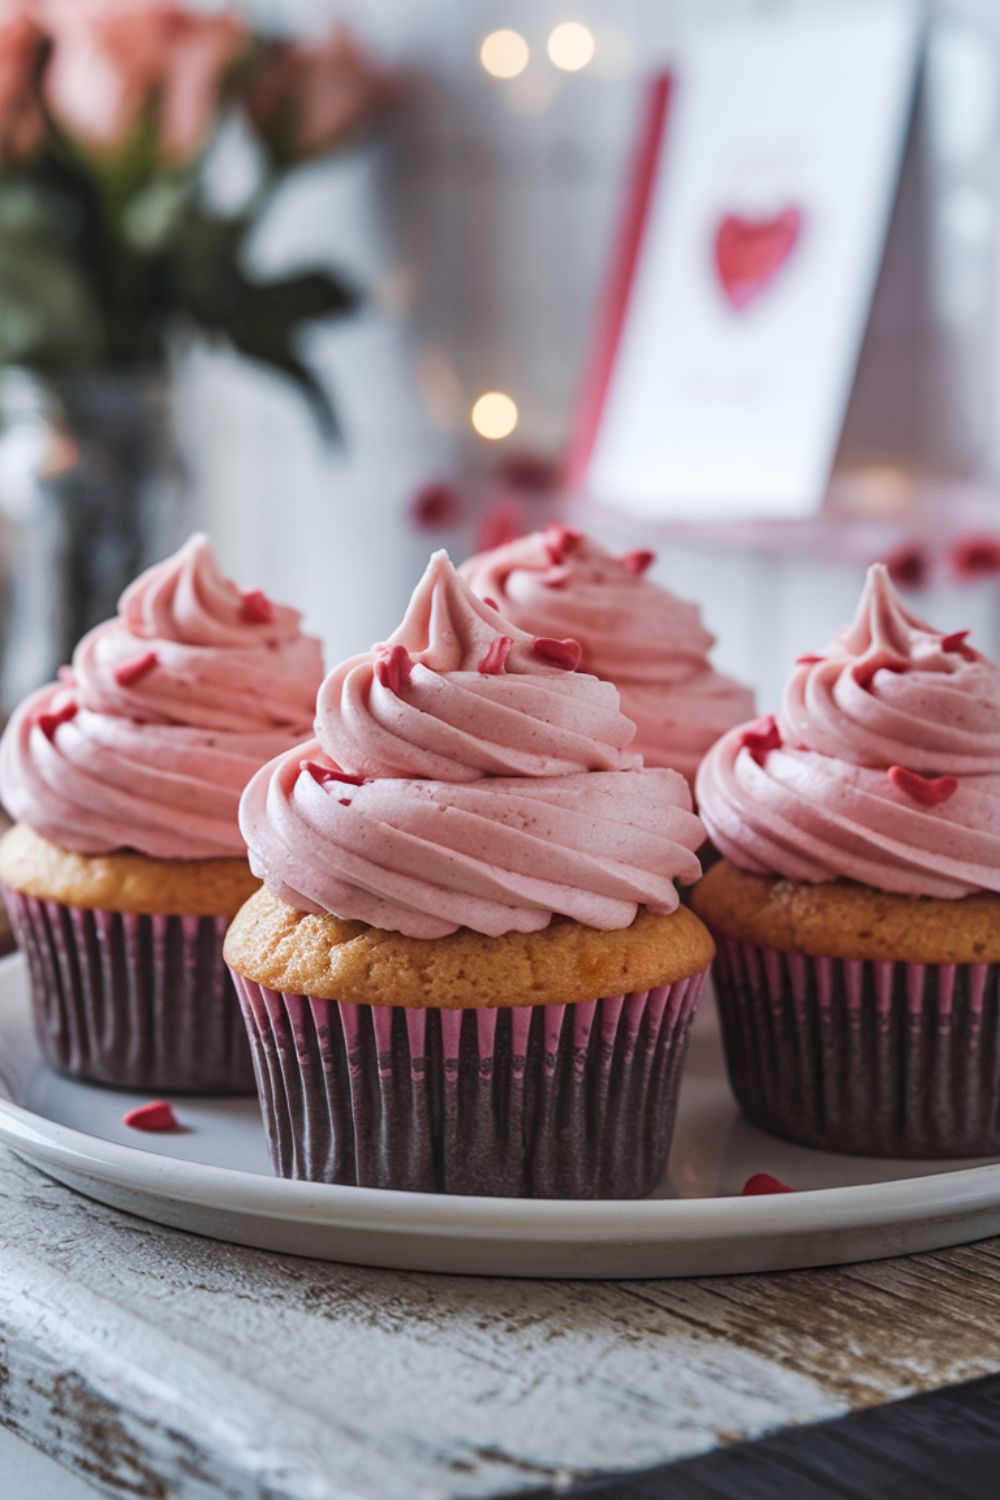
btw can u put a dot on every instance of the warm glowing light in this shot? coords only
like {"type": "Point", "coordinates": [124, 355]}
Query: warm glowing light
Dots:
{"type": "Point", "coordinates": [571, 46]}
{"type": "Point", "coordinates": [494, 415]}
{"type": "Point", "coordinates": [504, 54]}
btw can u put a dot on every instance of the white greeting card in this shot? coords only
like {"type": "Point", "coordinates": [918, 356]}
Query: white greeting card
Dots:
{"type": "Point", "coordinates": [764, 185]}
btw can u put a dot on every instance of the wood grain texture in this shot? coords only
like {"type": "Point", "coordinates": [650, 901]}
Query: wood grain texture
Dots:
{"type": "Point", "coordinates": [942, 1445]}
{"type": "Point", "coordinates": [163, 1365]}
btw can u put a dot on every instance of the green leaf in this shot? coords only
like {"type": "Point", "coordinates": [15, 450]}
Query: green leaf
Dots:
{"type": "Point", "coordinates": [287, 362]}
{"type": "Point", "coordinates": [263, 319]}
{"type": "Point", "coordinates": [151, 215]}
{"type": "Point", "coordinates": [47, 319]}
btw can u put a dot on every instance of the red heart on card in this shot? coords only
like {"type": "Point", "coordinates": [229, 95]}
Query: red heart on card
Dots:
{"type": "Point", "coordinates": [750, 252]}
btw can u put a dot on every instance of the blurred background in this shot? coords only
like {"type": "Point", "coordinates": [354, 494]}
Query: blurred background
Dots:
{"type": "Point", "coordinates": [327, 280]}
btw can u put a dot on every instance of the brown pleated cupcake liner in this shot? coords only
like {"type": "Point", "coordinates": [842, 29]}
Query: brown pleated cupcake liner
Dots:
{"type": "Point", "coordinates": [136, 1002]}
{"type": "Point", "coordinates": [545, 1101]}
{"type": "Point", "coordinates": [873, 1058]}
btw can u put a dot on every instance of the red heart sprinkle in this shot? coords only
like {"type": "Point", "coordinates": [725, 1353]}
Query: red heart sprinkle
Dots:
{"type": "Point", "coordinates": [760, 737]}
{"type": "Point", "coordinates": [323, 774]}
{"type": "Point", "coordinates": [566, 654]}
{"type": "Point", "coordinates": [865, 671]}
{"type": "Point", "coordinates": [393, 668]}
{"type": "Point", "coordinates": [976, 557]}
{"type": "Point", "coordinates": [908, 566]}
{"type": "Point", "coordinates": [808, 661]}
{"type": "Point", "coordinates": [155, 1116]}
{"type": "Point", "coordinates": [344, 801]}
{"type": "Point", "coordinates": [131, 671]}
{"type": "Point", "coordinates": [761, 1183]}
{"type": "Point", "coordinates": [256, 608]}
{"type": "Point", "coordinates": [492, 603]}
{"type": "Point", "coordinates": [48, 723]}
{"type": "Point", "coordinates": [560, 541]}
{"type": "Point", "coordinates": [638, 562]}
{"type": "Point", "coordinates": [436, 505]}
{"type": "Point", "coordinates": [495, 660]}
{"type": "Point", "coordinates": [956, 642]}
{"type": "Point", "coordinates": [928, 790]}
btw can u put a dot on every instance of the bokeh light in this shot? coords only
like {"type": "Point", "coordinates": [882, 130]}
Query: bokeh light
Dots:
{"type": "Point", "coordinates": [571, 46]}
{"type": "Point", "coordinates": [504, 53]}
{"type": "Point", "coordinates": [494, 415]}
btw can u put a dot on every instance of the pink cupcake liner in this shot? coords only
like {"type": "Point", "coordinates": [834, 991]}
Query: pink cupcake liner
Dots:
{"type": "Point", "coordinates": [136, 1002]}
{"type": "Point", "coordinates": [871, 1057]}
{"type": "Point", "coordinates": [545, 1101]}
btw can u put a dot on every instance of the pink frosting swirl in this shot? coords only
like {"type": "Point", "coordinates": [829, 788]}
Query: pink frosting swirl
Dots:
{"type": "Point", "coordinates": [167, 712]}
{"type": "Point", "coordinates": [883, 765]}
{"type": "Point", "coordinates": [462, 778]}
{"type": "Point", "coordinates": [634, 633]}
{"type": "Point", "coordinates": [455, 722]}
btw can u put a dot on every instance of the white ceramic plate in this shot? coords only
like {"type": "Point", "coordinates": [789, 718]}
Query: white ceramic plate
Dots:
{"type": "Point", "coordinates": [214, 1179]}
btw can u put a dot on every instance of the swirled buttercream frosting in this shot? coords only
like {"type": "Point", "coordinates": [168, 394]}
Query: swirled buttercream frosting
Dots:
{"type": "Point", "coordinates": [883, 765]}
{"type": "Point", "coordinates": [465, 774]}
{"type": "Point", "coordinates": [149, 738]}
{"type": "Point", "coordinates": [632, 632]}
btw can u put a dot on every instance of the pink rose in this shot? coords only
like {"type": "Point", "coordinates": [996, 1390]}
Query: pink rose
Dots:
{"type": "Point", "coordinates": [309, 97]}
{"type": "Point", "coordinates": [203, 49]}
{"type": "Point", "coordinates": [114, 59]}
{"type": "Point", "coordinates": [21, 123]}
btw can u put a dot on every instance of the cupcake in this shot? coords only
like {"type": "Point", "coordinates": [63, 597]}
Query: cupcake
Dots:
{"type": "Point", "coordinates": [857, 909]}
{"type": "Point", "coordinates": [467, 970]}
{"type": "Point", "coordinates": [126, 862]}
{"type": "Point", "coordinates": [633, 633]}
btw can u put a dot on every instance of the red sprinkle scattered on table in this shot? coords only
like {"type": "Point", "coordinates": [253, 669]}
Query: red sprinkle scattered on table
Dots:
{"type": "Point", "coordinates": [256, 608]}
{"type": "Point", "coordinates": [155, 1116]}
{"type": "Point", "coordinates": [502, 523]}
{"type": "Point", "coordinates": [567, 654]}
{"type": "Point", "coordinates": [928, 790]}
{"type": "Point", "coordinates": [957, 642]}
{"type": "Point", "coordinates": [131, 671]}
{"type": "Point", "coordinates": [761, 737]}
{"type": "Point", "coordinates": [495, 660]}
{"type": "Point", "coordinates": [761, 1183]}
{"type": "Point", "coordinates": [436, 505]}
{"type": "Point", "coordinates": [48, 723]}
{"type": "Point", "coordinates": [976, 557]}
{"type": "Point", "coordinates": [324, 774]}
{"type": "Point", "coordinates": [908, 566]}
{"type": "Point", "coordinates": [527, 470]}
{"type": "Point", "coordinates": [393, 668]}
{"type": "Point", "coordinates": [560, 541]}
{"type": "Point", "coordinates": [638, 562]}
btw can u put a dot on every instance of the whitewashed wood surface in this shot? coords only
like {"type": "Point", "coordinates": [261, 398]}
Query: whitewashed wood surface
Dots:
{"type": "Point", "coordinates": [160, 1365]}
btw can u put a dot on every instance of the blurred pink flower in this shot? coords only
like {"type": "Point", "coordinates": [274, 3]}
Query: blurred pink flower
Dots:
{"type": "Point", "coordinates": [113, 59]}
{"type": "Point", "coordinates": [204, 48]}
{"type": "Point", "coordinates": [21, 123]}
{"type": "Point", "coordinates": [309, 97]}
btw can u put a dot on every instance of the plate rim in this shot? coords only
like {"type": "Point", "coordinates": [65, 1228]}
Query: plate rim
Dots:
{"type": "Point", "coordinates": [929, 1197]}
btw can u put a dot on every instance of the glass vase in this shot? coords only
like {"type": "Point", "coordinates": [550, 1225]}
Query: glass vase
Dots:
{"type": "Point", "coordinates": [90, 493]}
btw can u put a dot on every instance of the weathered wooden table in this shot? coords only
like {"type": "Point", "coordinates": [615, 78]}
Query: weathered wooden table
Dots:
{"type": "Point", "coordinates": [157, 1364]}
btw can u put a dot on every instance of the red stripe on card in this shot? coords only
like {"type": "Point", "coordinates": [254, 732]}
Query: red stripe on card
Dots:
{"type": "Point", "coordinates": [624, 263]}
